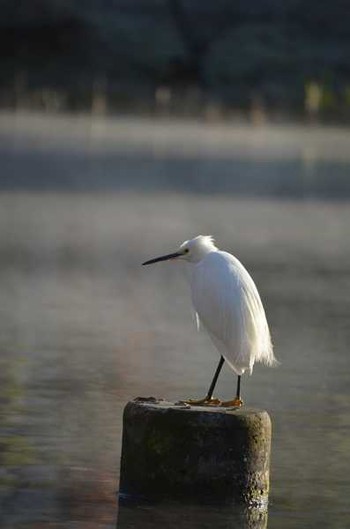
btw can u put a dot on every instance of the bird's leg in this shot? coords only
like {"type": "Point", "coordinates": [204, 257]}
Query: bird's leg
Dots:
{"type": "Point", "coordinates": [237, 402]}
{"type": "Point", "coordinates": [209, 400]}
{"type": "Point", "coordinates": [215, 378]}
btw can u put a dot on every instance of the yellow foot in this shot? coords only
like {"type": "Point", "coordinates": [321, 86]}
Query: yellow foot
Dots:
{"type": "Point", "coordinates": [203, 402]}
{"type": "Point", "coordinates": [234, 403]}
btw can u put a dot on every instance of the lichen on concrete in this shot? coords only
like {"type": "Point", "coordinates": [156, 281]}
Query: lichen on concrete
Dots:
{"type": "Point", "coordinates": [195, 453]}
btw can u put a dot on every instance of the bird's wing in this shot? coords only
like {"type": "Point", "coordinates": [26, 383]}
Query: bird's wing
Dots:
{"type": "Point", "coordinates": [229, 307]}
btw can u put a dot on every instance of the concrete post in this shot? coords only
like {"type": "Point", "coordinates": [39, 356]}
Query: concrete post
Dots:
{"type": "Point", "coordinates": [195, 455]}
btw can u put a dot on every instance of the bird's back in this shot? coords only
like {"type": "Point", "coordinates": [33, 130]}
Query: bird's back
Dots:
{"type": "Point", "coordinates": [230, 309]}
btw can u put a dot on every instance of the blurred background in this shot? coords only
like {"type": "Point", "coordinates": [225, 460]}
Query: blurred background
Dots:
{"type": "Point", "coordinates": [260, 59]}
{"type": "Point", "coordinates": [127, 127]}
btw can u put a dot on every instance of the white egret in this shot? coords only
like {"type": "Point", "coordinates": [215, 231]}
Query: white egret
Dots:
{"type": "Point", "coordinates": [228, 306]}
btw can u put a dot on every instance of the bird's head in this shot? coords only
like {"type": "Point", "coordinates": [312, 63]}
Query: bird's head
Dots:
{"type": "Point", "coordinates": [192, 251]}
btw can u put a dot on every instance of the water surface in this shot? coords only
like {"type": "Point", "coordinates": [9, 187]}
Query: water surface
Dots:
{"type": "Point", "coordinates": [84, 328]}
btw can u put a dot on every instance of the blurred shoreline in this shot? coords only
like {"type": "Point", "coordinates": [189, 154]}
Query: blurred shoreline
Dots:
{"type": "Point", "coordinates": [88, 153]}
{"type": "Point", "coordinates": [168, 136]}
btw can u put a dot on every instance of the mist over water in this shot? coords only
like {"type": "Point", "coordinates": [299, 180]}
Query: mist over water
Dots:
{"type": "Point", "coordinates": [84, 328]}
{"type": "Point", "coordinates": [121, 154]}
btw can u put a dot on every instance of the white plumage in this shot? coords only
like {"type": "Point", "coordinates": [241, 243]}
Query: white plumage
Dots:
{"type": "Point", "coordinates": [228, 305]}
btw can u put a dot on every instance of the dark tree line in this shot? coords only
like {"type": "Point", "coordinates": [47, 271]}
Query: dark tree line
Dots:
{"type": "Point", "coordinates": [229, 51]}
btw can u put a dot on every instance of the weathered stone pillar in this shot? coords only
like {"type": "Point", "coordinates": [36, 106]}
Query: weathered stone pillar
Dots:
{"type": "Point", "coordinates": [196, 455]}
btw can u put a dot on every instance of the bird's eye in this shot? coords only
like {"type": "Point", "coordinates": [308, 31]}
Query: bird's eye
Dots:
{"type": "Point", "coordinates": [186, 250]}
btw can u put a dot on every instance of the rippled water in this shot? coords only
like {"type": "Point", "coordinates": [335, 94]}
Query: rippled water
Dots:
{"type": "Point", "coordinates": [84, 328]}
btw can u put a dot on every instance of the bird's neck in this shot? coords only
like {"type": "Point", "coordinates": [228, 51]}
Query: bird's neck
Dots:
{"type": "Point", "coordinates": [201, 253]}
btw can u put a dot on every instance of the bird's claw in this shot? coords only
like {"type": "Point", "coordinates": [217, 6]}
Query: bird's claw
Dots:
{"type": "Point", "coordinates": [203, 402]}
{"type": "Point", "coordinates": [234, 403]}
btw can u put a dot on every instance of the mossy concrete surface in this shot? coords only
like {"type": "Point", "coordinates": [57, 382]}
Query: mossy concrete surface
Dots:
{"type": "Point", "coordinates": [195, 454]}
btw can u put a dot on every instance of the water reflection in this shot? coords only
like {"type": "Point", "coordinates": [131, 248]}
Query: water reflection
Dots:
{"type": "Point", "coordinates": [15, 450]}
{"type": "Point", "coordinates": [172, 515]}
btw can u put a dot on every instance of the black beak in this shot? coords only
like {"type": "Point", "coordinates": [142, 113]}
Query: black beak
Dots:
{"type": "Point", "coordinates": [163, 258]}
